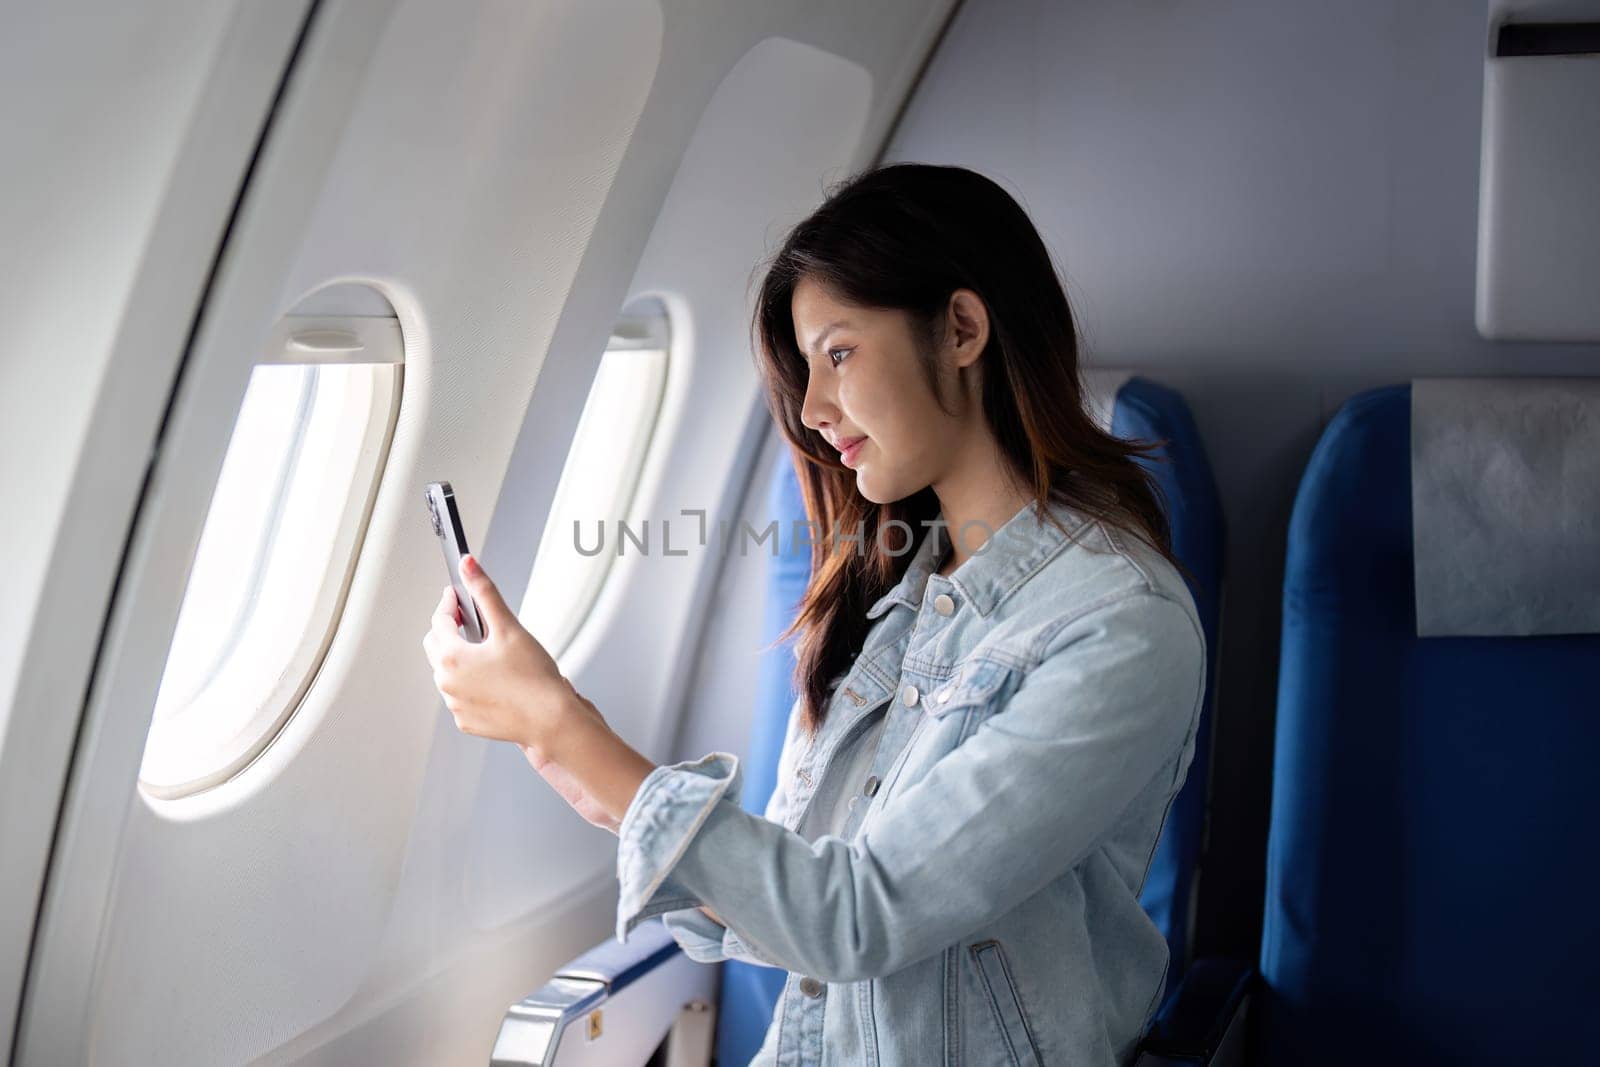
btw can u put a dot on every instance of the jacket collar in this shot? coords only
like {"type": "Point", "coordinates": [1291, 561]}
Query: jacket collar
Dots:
{"type": "Point", "coordinates": [1008, 558]}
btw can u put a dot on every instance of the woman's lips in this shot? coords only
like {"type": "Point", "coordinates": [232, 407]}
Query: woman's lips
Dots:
{"type": "Point", "coordinates": [848, 455]}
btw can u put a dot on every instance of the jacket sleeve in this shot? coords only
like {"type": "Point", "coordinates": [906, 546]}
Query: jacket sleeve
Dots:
{"type": "Point", "coordinates": [1111, 707]}
{"type": "Point", "coordinates": [701, 937]}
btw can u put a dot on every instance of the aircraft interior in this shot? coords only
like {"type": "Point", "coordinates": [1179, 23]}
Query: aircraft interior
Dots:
{"type": "Point", "coordinates": [269, 268]}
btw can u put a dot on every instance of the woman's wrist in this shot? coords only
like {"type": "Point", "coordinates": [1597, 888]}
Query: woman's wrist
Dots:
{"type": "Point", "coordinates": [556, 742]}
{"type": "Point", "coordinates": [607, 767]}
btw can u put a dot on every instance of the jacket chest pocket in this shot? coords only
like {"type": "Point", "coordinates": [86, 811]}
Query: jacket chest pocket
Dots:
{"type": "Point", "coordinates": [995, 973]}
{"type": "Point", "coordinates": [950, 714]}
{"type": "Point", "coordinates": [979, 688]}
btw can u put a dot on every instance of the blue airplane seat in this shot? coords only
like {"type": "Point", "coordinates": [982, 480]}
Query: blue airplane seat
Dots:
{"type": "Point", "coordinates": [1142, 409]}
{"type": "Point", "coordinates": [1145, 410]}
{"type": "Point", "coordinates": [1431, 850]}
{"type": "Point", "coordinates": [750, 992]}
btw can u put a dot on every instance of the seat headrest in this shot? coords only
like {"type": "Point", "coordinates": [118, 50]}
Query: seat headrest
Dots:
{"type": "Point", "coordinates": [1505, 505]}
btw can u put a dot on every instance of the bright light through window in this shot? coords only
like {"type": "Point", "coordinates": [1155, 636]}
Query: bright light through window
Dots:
{"type": "Point", "coordinates": [598, 482]}
{"type": "Point", "coordinates": [272, 566]}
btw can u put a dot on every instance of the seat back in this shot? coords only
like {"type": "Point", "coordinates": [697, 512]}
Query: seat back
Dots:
{"type": "Point", "coordinates": [1431, 853]}
{"type": "Point", "coordinates": [1130, 407]}
{"type": "Point", "coordinates": [1137, 408]}
{"type": "Point", "coordinates": [750, 992]}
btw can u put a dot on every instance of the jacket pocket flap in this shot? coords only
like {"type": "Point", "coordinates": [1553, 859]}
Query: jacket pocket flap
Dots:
{"type": "Point", "coordinates": [975, 684]}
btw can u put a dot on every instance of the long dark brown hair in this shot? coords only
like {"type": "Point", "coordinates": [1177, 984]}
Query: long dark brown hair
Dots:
{"type": "Point", "coordinates": [906, 236]}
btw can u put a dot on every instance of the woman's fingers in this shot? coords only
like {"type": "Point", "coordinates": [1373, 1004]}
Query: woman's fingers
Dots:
{"type": "Point", "coordinates": [447, 615]}
{"type": "Point", "coordinates": [441, 626]}
{"type": "Point", "coordinates": [487, 596]}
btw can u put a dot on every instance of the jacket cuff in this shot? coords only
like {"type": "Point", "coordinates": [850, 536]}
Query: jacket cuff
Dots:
{"type": "Point", "coordinates": [699, 935]}
{"type": "Point", "coordinates": [735, 949]}
{"type": "Point", "coordinates": [705, 940]}
{"type": "Point", "coordinates": [659, 827]}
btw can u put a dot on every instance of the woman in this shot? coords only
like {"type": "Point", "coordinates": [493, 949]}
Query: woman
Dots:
{"type": "Point", "coordinates": [1000, 668]}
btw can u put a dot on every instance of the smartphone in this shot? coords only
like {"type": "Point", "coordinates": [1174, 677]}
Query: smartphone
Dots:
{"type": "Point", "coordinates": [447, 526]}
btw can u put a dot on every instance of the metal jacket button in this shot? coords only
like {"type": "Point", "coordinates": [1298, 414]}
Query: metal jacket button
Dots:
{"type": "Point", "coordinates": [810, 987]}
{"type": "Point", "coordinates": [943, 604]}
{"type": "Point", "coordinates": [872, 785]}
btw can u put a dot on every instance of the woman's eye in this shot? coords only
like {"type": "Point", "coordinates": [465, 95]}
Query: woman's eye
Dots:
{"type": "Point", "coordinates": [833, 358]}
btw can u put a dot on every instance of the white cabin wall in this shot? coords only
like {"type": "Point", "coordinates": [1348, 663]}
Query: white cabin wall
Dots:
{"type": "Point", "coordinates": [124, 134]}
{"type": "Point", "coordinates": [377, 887]}
{"type": "Point", "coordinates": [727, 666]}
{"type": "Point", "coordinates": [1267, 206]}
{"type": "Point", "coordinates": [80, 207]}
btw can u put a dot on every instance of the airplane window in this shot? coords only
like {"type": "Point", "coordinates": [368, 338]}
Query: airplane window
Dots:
{"type": "Point", "coordinates": [597, 484]}
{"type": "Point", "coordinates": [279, 544]}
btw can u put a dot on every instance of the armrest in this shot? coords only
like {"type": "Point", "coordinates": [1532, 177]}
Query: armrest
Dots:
{"type": "Point", "coordinates": [629, 995]}
{"type": "Point", "coordinates": [1204, 1020]}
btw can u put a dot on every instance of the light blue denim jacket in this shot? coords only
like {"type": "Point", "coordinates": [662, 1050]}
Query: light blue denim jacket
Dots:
{"type": "Point", "coordinates": [981, 905]}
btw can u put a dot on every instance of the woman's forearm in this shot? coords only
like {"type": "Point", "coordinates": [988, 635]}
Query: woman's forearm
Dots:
{"type": "Point", "coordinates": [607, 767]}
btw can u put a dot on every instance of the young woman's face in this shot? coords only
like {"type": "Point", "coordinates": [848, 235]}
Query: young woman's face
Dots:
{"type": "Point", "coordinates": [866, 380]}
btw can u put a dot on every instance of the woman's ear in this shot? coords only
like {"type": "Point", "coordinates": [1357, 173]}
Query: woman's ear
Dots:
{"type": "Point", "coordinates": [967, 326]}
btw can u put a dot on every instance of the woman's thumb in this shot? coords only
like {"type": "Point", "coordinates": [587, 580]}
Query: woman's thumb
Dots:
{"type": "Point", "coordinates": [483, 590]}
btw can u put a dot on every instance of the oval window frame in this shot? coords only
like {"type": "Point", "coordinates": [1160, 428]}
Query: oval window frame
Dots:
{"type": "Point", "coordinates": [177, 761]}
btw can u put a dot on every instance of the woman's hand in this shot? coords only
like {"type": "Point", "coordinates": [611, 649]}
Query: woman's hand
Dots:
{"type": "Point", "coordinates": [506, 687]}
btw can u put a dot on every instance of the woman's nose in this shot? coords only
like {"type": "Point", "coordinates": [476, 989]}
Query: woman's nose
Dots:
{"type": "Point", "coordinates": [817, 409]}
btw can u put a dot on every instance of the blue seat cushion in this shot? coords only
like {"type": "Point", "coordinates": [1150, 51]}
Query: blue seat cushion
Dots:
{"type": "Point", "coordinates": [750, 992]}
{"type": "Point", "coordinates": [1153, 412]}
{"type": "Point", "coordinates": [1143, 410]}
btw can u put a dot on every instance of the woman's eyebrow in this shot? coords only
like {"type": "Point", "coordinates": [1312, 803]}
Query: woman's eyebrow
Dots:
{"type": "Point", "coordinates": [826, 330]}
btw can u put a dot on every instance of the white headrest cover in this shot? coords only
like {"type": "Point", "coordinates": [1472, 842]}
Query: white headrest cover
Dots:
{"type": "Point", "coordinates": [1505, 505]}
